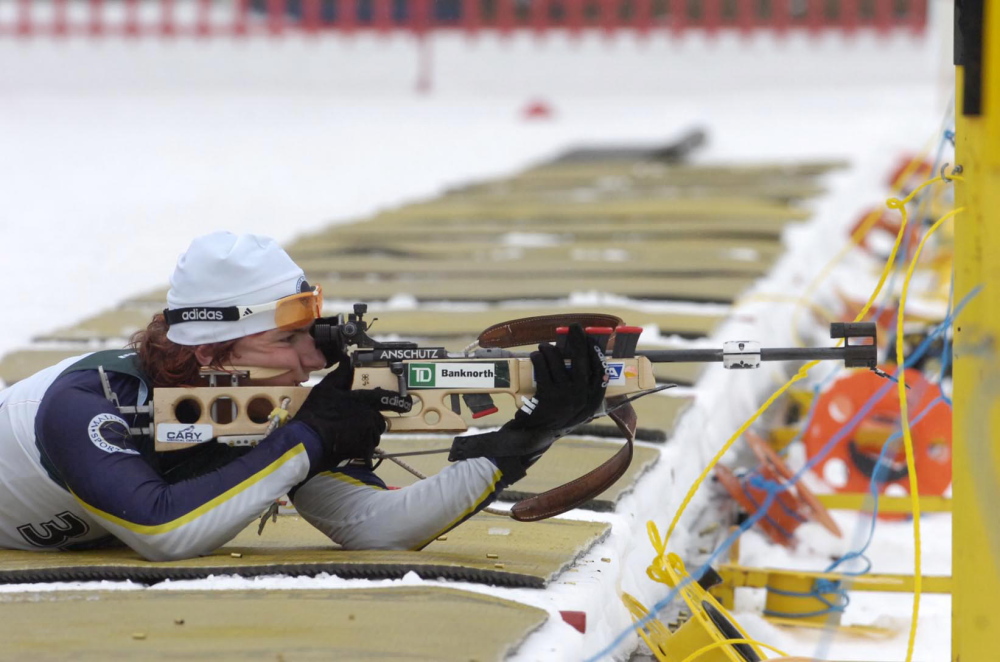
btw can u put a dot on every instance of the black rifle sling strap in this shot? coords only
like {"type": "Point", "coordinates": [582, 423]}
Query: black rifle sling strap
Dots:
{"type": "Point", "coordinates": [560, 499]}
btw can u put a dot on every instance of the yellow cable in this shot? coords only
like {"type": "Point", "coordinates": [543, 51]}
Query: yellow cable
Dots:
{"type": "Point", "coordinates": [655, 570]}
{"type": "Point", "coordinates": [728, 642]}
{"type": "Point", "coordinates": [866, 225]}
{"type": "Point", "coordinates": [911, 467]}
{"type": "Point", "coordinates": [892, 203]}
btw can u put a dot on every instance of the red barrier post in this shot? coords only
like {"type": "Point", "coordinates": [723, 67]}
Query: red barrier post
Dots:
{"type": "Point", "coordinates": [814, 18]}
{"type": "Point", "coordinates": [203, 24]}
{"type": "Point", "coordinates": [746, 16]}
{"type": "Point", "coordinates": [95, 25]}
{"type": "Point", "coordinates": [420, 17]}
{"type": "Point", "coordinates": [574, 16]}
{"type": "Point", "coordinates": [884, 20]}
{"type": "Point", "coordinates": [240, 11]}
{"type": "Point", "coordinates": [310, 16]}
{"type": "Point", "coordinates": [539, 16]}
{"type": "Point", "coordinates": [609, 18]}
{"type": "Point", "coordinates": [781, 16]}
{"type": "Point", "coordinates": [916, 15]}
{"type": "Point", "coordinates": [60, 26]}
{"type": "Point", "coordinates": [168, 23]}
{"type": "Point", "coordinates": [131, 18]}
{"type": "Point", "coordinates": [471, 17]}
{"type": "Point", "coordinates": [505, 16]}
{"type": "Point", "coordinates": [678, 17]}
{"type": "Point", "coordinates": [347, 18]}
{"type": "Point", "coordinates": [23, 26]}
{"type": "Point", "coordinates": [711, 16]}
{"type": "Point", "coordinates": [382, 16]}
{"type": "Point", "coordinates": [642, 19]}
{"type": "Point", "coordinates": [850, 15]}
{"type": "Point", "coordinates": [275, 17]}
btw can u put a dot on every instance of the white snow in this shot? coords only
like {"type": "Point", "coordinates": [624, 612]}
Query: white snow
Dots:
{"type": "Point", "coordinates": [115, 154]}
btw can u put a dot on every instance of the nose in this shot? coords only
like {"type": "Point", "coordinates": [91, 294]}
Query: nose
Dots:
{"type": "Point", "coordinates": [310, 356]}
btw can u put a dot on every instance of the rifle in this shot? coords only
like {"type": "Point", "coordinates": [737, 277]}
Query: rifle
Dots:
{"type": "Point", "coordinates": [440, 382]}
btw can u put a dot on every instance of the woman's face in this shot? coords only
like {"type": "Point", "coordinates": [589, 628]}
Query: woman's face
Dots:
{"type": "Point", "coordinates": [293, 351]}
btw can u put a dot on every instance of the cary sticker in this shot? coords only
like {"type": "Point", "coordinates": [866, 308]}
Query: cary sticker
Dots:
{"type": "Point", "coordinates": [110, 433]}
{"type": "Point", "coordinates": [181, 433]}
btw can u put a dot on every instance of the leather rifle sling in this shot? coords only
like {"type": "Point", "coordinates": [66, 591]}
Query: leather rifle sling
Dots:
{"type": "Point", "coordinates": [540, 328]}
{"type": "Point", "coordinates": [560, 499]}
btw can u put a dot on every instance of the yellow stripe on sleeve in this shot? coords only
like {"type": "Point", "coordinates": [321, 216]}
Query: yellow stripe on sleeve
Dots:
{"type": "Point", "coordinates": [152, 530]}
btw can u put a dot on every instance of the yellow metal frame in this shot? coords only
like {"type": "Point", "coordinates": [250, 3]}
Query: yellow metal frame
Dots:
{"type": "Point", "coordinates": [976, 418]}
{"type": "Point", "coordinates": [700, 636]}
{"type": "Point", "coordinates": [736, 576]}
{"type": "Point", "coordinates": [886, 504]}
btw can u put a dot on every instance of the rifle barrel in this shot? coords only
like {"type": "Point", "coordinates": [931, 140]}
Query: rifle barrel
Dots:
{"type": "Point", "coordinates": [766, 354]}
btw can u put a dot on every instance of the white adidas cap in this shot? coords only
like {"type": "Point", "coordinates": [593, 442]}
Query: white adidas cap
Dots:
{"type": "Point", "coordinates": [223, 269]}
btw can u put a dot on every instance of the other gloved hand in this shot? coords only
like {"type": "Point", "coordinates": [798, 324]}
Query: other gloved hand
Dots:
{"type": "Point", "coordinates": [348, 422]}
{"type": "Point", "coordinates": [565, 396]}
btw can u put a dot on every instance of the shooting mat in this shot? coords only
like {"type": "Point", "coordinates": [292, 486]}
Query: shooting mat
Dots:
{"type": "Point", "coordinates": [487, 549]}
{"type": "Point", "coordinates": [401, 622]}
{"type": "Point", "coordinates": [567, 459]}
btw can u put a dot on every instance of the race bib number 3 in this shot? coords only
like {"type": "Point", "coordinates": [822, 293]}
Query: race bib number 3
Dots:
{"type": "Point", "coordinates": [482, 374]}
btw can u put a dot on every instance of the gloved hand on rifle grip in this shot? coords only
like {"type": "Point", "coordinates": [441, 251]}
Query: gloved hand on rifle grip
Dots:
{"type": "Point", "coordinates": [349, 423]}
{"type": "Point", "coordinates": [565, 396]}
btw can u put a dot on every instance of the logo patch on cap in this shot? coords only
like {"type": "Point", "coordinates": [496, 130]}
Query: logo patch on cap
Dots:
{"type": "Point", "coordinates": [110, 433]}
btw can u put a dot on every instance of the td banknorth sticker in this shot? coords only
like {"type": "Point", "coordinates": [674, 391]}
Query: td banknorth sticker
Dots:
{"type": "Point", "coordinates": [482, 374]}
{"type": "Point", "coordinates": [110, 433]}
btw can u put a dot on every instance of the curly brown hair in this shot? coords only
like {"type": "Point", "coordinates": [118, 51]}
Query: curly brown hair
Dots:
{"type": "Point", "coordinates": [168, 364]}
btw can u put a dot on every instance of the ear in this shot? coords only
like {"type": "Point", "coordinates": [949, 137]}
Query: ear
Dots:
{"type": "Point", "coordinates": [203, 354]}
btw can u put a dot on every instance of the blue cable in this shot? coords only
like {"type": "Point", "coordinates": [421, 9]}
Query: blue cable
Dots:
{"type": "Point", "coordinates": [772, 495]}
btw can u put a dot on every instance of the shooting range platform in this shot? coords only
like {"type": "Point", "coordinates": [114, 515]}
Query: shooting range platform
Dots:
{"type": "Point", "coordinates": [399, 622]}
{"type": "Point", "coordinates": [638, 231]}
{"type": "Point", "coordinates": [487, 549]}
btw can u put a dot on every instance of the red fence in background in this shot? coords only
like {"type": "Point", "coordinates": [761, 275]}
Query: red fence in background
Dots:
{"type": "Point", "coordinates": [215, 18]}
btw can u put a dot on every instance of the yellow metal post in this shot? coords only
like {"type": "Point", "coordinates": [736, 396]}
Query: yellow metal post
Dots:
{"type": "Point", "coordinates": [976, 462]}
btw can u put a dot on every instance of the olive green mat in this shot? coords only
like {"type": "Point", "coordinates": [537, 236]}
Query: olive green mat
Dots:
{"type": "Point", "coordinates": [499, 247]}
{"type": "Point", "coordinates": [446, 231]}
{"type": "Point", "coordinates": [777, 191]}
{"type": "Point", "coordinates": [674, 151]}
{"type": "Point", "coordinates": [521, 264]}
{"type": "Point", "coordinates": [567, 459]}
{"type": "Point", "coordinates": [747, 210]}
{"type": "Point", "coordinates": [490, 549]}
{"type": "Point", "coordinates": [20, 364]}
{"type": "Point", "coordinates": [393, 623]}
{"type": "Point", "coordinates": [721, 174]}
{"type": "Point", "coordinates": [709, 289]}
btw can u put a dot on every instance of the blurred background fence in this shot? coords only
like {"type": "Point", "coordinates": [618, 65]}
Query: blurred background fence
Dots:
{"type": "Point", "coordinates": [240, 18]}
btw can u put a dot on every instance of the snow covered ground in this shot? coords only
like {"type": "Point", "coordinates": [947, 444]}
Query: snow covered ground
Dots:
{"type": "Point", "coordinates": [115, 154]}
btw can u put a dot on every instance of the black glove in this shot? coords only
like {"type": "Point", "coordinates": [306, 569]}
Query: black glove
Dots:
{"type": "Point", "coordinates": [564, 397]}
{"type": "Point", "coordinates": [348, 422]}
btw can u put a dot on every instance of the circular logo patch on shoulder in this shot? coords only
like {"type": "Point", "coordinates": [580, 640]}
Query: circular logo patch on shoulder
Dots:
{"type": "Point", "coordinates": [110, 433]}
